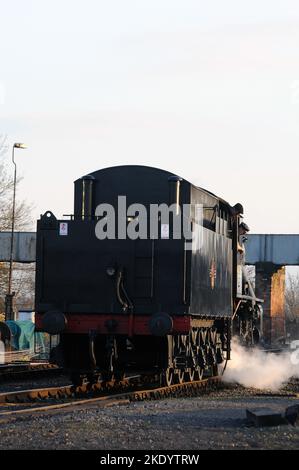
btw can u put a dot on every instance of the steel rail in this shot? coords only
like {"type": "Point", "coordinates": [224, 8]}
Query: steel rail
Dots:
{"type": "Point", "coordinates": [178, 390]}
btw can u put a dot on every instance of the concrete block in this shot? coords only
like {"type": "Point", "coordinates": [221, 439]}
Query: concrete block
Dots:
{"type": "Point", "coordinates": [292, 415]}
{"type": "Point", "coordinates": [265, 417]}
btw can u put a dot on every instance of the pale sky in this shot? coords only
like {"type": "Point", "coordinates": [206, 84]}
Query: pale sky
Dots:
{"type": "Point", "coordinates": [207, 90]}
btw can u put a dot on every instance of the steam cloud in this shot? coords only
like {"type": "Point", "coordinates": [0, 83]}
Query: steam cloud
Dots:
{"type": "Point", "coordinates": [258, 369]}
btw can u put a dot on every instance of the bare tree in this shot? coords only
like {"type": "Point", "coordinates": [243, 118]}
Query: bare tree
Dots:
{"type": "Point", "coordinates": [3, 144]}
{"type": "Point", "coordinates": [23, 275]}
{"type": "Point", "coordinates": [292, 299]}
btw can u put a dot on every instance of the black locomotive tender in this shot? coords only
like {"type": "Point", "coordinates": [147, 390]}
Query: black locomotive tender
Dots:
{"type": "Point", "coordinates": [145, 305]}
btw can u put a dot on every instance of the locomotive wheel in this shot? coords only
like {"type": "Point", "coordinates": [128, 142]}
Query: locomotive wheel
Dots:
{"type": "Point", "coordinates": [78, 379]}
{"type": "Point", "coordinates": [197, 354]}
{"type": "Point", "coordinates": [107, 376]}
{"type": "Point", "coordinates": [168, 377]}
{"type": "Point", "coordinates": [119, 375]}
{"type": "Point", "coordinates": [180, 376]}
{"type": "Point", "coordinates": [189, 375]}
{"type": "Point", "coordinates": [93, 378]}
{"type": "Point", "coordinates": [198, 373]}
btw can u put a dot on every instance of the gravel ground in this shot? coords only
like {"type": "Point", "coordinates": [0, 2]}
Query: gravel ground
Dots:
{"type": "Point", "coordinates": [214, 421]}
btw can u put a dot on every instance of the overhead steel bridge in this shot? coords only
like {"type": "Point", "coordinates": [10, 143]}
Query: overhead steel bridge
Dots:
{"type": "Point", "coordinates": [281, 250]}
{"type": "Point", "coordinates": [268, 253]}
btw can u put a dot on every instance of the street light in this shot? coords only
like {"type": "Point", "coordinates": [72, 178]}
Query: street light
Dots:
{"type": "Point", "coordinates": [9, 314]}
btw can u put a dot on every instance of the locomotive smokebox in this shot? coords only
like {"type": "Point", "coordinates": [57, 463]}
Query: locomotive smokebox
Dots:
{"type": "Point", "coordinates": [53, 322]}
{"type": "Point", "coordinates": [160, 324]}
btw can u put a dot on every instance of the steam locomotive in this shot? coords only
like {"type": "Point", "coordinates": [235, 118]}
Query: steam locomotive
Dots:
{"type": "Point", "coordinates": [147, 275]}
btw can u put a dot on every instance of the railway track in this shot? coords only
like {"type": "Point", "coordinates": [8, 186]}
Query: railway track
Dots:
{"type": "Point", "coordinates": [26, 402]}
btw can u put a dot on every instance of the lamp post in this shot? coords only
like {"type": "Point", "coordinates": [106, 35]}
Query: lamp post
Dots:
{"type": "Point", "coordinates": [9, 313]}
